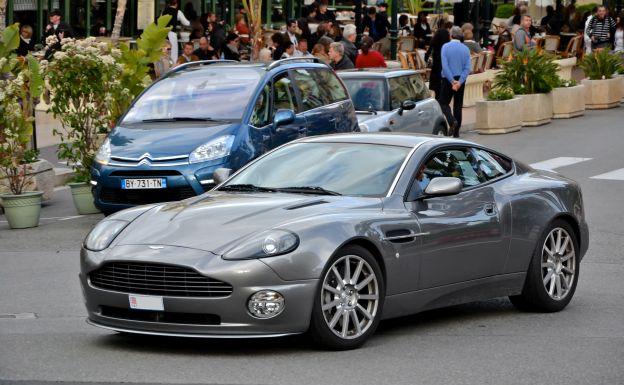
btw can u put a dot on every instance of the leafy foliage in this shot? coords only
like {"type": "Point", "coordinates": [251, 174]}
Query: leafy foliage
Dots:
{"type": "Point", "coordinates": [601, 64]}
{"type": "Point", "coordinates": [564, 83]}
{"type": "Point", "coordinates": [528, 72]}
{"type": "Point", "coordinates": [500, 94]}
{"type": "Point", "coordinates": [9, 41]}
{"type": "Point", "coordinates": [504, 10]}
{"type": "Point", "coordinates": [586, 7]}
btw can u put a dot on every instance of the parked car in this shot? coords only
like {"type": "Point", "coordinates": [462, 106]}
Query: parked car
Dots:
{"type": "Point", "coordinates": [207, 115]}
{"type": "Point", "coordinates": [393, 100]}
{"type": "Point", "coordinates": [331, 234]}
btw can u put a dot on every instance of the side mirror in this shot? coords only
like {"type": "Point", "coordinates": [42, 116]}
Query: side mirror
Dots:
{"type": "Point", "coordinates": [283, 117]}
{"type": "Point", "coordinates": [442, 186]}
{"type": "Point", "coordinates": [406, 106]}
{"type": "Point", "coordinates": [221, 174]}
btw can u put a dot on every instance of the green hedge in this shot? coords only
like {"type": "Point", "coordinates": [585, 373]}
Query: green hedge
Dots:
{"type": "Point", "coordinates": [504, 11]}
{"type": "Point", "coordinates": [586, 8]}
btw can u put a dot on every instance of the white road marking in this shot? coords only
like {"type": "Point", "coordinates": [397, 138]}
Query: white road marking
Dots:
{"type": "Point", "coordinates": [561, 161]}
{"type": "Point", "coordinates": [611, 175]}
{"type": "Point", "coordinates": [56, 218]}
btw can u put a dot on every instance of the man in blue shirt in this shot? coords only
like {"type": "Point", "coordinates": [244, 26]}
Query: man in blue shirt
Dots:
{"type": "Point", "coordinates": [455, 71]}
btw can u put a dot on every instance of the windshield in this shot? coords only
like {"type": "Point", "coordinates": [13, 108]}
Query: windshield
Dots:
{"type": "Point", "coordinates": [212, 93]}
{"type": "Point", "coordinates": [367, 94]}
{"type": "Point", "coordinates": [353, 169]}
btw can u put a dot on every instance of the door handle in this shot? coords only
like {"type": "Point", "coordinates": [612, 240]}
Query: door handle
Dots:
{"type": "Point", "coordinates": [489, 208]}
{"type": "Point", "coordinates": [421, 112]}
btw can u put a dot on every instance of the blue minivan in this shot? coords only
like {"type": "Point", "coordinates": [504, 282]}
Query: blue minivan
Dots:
{"type": "Point", "coordinates": [209, 115]}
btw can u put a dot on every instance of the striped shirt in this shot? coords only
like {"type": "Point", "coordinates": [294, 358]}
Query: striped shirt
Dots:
{"type": "Point", "coordinates": [600, 29]}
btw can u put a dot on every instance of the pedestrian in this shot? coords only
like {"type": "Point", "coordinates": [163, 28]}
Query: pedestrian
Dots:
{"type": "Point", "coordinates": [441, 37]}
{"type": "Point", "coordinates": [588, 17]}
{"type": "Point", "coordinates": [377, 26]}
{"type": "Point", "coordinates": [27, 43]}
{"type": "Point", "coordinates": [522, 37]}
{"type": "Point", "coordinates": [619, 35]}
{"type": "Point", "coordinates": [368, 57]}
{"type": "Point", "coordinates": [455, 71]}
{"type": "Point", "coordinates": [349, 34]}
{"type": "Point", "coordinates": [230, 49]}
{"type": "Point", "coordinates": [176, 17]}
{"type": "Point", "coordinates": [339, 61]}
{"type": "Point", "coordinates": [57, 28]}
{"type": "Point", "coordinates": [205, 50]}
{"type": "Point", "coordinates": [600, 29]}
{"type": "Point", "coordinates": [187, 54]}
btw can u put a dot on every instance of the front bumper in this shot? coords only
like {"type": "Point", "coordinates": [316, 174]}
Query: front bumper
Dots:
{"type": "Point", "coordinates": [246, 278]}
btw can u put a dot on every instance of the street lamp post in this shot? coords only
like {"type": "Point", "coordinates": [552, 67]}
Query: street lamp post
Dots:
{"type": "Point", "coordinates": [358, 21]}
{"type": "Point", "coordinates": [394, 30]}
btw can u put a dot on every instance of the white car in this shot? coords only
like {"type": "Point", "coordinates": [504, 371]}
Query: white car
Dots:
{"type": "Point", "coordinates": [393, 100]}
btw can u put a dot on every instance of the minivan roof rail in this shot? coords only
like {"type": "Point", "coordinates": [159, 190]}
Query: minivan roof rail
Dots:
{"type": "Point", "coordinates": [201, 63]}
{"type": "Point", "coordinates": [302, 59]}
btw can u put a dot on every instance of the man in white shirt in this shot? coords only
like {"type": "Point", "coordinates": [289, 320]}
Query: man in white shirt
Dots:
{"type": "Point", "coordinates": [291, 33]}
{"type": "Point", "coordinates": [176, 16]}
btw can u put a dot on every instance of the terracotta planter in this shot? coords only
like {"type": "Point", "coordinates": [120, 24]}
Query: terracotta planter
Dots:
{"type": "Point", "coordinates": [602, 94]}
{"type": "Point", "coordinates": [537, 109]}
{"type": "Point", "coordinates": [568, 102]}
{"type": "Point", "coordinates": [499, 116]}
{"type": "Point", "coordinates": [40, 176]}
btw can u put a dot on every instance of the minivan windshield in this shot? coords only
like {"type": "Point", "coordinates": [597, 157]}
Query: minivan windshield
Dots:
{"type": "Point", "coordinates": [353, 169]}
{"type": "Point", "coordinates": [217, 93]}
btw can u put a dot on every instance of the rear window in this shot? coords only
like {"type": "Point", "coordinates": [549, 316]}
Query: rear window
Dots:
{"type": "Point", "coordinates": [367, 94]}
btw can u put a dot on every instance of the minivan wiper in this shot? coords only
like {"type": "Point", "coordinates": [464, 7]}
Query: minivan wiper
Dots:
{"type": "Point", "coordinates": [179, 119]}
{"type": "Point", "coordinates": [245, 187]}
{"type": "Point", "coordinates": [308, 190]}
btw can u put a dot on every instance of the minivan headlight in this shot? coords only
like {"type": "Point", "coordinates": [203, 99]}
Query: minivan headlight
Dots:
{"type": "Point", "coordinates": [104, 233]}
{"type": "Point", "coordinates": [215, 149]}
{"type": "Point", "coordinates": [104, 153]}
{"type": "Point", "coordinates": [267, 244]}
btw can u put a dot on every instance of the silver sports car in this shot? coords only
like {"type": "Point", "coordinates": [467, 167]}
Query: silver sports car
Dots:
{"type": "Point", "coordinates": [332, 234]}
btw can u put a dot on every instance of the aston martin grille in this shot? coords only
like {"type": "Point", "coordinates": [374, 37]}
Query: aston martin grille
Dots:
{"type": "Point", "coordinates": [157, 279]}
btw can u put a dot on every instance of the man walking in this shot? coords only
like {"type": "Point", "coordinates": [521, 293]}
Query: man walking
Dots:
{"type": "Point", "coordinates": [455, 70]}
{"type": "Point", "coordinates": [349, 34]}
{"type": "Point", "coordinates": [522, 37]}
{"type": "Point", "coordinates": [600, 29]}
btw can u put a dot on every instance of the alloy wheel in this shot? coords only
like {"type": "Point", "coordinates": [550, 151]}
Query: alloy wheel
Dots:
{"type": "Point", "coordinates": [558, 263]}
{"type": "Point", "coordinates": [350, 297]}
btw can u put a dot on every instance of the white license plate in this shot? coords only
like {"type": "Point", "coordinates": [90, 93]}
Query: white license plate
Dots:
{"type": "Point", "coordinates": [145, 183]}
{"type": "Point", "coordinates": [146, 302]}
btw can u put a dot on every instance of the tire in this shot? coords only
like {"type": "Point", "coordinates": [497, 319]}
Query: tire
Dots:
{"type": "Point", "coordinates": [535, 294]}
{"type": "Point", "coordinates": [440, 130]}
{"type": "Point", "coordinates": [348, 300]}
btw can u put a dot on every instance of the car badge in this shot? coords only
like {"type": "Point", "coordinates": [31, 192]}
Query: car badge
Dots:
{"type": "Point", "coordinates": [156, 247]}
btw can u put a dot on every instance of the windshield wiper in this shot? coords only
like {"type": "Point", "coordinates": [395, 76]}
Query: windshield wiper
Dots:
{"type": "Point", "coordinates": [307, 190]}
{"type": "Point", "coordinates": [245, 187]}
{"type": "Point", "coordinates": [179, 119]}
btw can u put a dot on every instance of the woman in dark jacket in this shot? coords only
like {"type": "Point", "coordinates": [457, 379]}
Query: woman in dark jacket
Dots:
{"type": "Point", "coordinates": [441, 37]}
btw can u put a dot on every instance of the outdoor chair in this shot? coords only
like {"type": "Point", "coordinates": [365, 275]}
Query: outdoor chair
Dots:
{"type": "Point", "coordinates": [479, 66]}
{"type": "Point", "coordinates": [573, 47]}
{"type": "Point", "coordinates": [488, 60]}
{"type": "Point", "coordinates": [505, 50]}
{"type": "Point", "coordinates": [473, 63]}
{"type": "Point", "coordinates": [403, 59]}
{"type": "Point", "coordinates": [406, 43]}
{"type": "Point", "coordinates": [551, 43]}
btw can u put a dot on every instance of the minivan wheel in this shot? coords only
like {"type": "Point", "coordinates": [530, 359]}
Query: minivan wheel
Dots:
{"type": "Point", "coordinates": [440, 130]}
{"type": "Point", "coordinates": [349, 301]}
{"type": "Point", "coordinates": [553, 272]}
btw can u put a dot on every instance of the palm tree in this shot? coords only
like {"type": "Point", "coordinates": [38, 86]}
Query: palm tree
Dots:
{"type": "Point", "coordinates": [254, 12]}
{"type": "Point", "coordinates": [3, 5]}
{"type": "Point", "coordinates": [121, 10]}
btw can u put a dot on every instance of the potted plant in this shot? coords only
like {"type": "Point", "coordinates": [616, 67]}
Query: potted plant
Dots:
{"type": "Point", "coordinates": [568, 99]}
{"type": "Point", "coordinates": [602, 88]}
{"type": "Point", "coordinates": [20, 87]}
{"type": "Point", "coordinates": [83, 78]}
{"type": "Point", "coordinates": [531, 74]}
{"type": "Point", "coordinates": [501, 113]}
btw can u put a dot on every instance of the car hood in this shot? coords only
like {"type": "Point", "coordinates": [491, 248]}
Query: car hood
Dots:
{"type": "Point", "coordinates": [217, 221]}
{"type": "Point", "coordinates": [164, 139]}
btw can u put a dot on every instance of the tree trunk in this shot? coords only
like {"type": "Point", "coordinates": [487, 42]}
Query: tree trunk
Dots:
{"type": "Point", "coordinates": [121, 10]}
{"type": "Point", "coordinates": [3, 7]}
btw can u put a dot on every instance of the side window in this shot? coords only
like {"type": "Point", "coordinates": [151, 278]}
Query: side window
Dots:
{"type": "Point", "coordinates": [308, 88]}
{"type": "Point", "coordinates": [459, 163]}
{"type": "Point", "coordinates": [399, 91]}
{"type": "Point", "coordinates": [330, 88]}
{"type": "Point", "coordinates": [261, 115]}
{"type": "Point", "coordinates": [492, 165]}
{"type": "Point", "coordinates": [284, 94]}
{"type": "Point", "coordinates": [420, 88]}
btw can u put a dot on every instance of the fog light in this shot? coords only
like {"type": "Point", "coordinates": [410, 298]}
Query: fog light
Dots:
{"type": "Point", "coordinates": [265, 304]}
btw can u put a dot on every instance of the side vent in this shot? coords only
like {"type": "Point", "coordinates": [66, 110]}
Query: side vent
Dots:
{"type": "Point", "coordinates": [305, 204]}
{"type": "Point", "coordinates": [400, 236]}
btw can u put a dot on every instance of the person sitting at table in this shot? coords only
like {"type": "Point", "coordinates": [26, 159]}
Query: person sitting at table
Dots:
{"type": "Point", "coordinates": [422, 30]}
{"type": "Point", "coordinates": [377, 26]}
{"type": "Point", "coordinates": [230, 49]}
{"type": "Point", "coordinates": [289, 50]}
{"type": "Point", "coordinates": [27, 43]}
{"type": "Point", "coordinates": [324, 14]}
{"type": "Point", "coordinates": [339, 61]}
{"type": "Point", "coordinates": [522, 38]}
{"type": "Point", "coordinates": [470, 43]}
{"type": "Point", "coordinates": [242, 28]}
{"type": "Point", "coordinates": [404, 27]}
{"type": "Point", "coordinates": [205, 50]}
{"type": "Point", "coordinates": [369, 58]}
{"type": "Point", "coordinates": [552, 22]}
{"type": "Point", "coordinates": [349, 34]}
{"type": "Point", "coordinates": [187, 54]}
{"type": "Point", "coordinates": [619, 35]}
{"type": "Point", "coordinates": [318, 51]}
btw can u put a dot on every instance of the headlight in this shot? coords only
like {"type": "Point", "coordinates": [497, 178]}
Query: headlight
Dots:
{"type": "Point", "coordinates": [103, 234]}
{"type": "Point", "coordinates": [267, 244]}
{"type": "Point", "coordinates": [265, 304]}
{"type": "Point", "coordinates": [104, 153]}
{"type": "Point", "coordinates": [215, 149]}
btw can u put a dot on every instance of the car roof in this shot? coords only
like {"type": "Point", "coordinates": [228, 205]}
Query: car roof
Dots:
{"type": "Point", "coordinates": [382, 73]}
{"type": "Point", "coordinates": [384, 138]}
{"type": "Point", "coordinates": [291, 63]}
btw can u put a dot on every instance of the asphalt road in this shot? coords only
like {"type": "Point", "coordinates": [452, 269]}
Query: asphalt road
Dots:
{"type": "Point", "coordinates": [44, 339]}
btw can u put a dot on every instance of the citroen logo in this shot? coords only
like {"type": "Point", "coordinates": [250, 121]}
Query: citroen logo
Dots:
{"type": "Point", "coordinates": [144, 161]}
